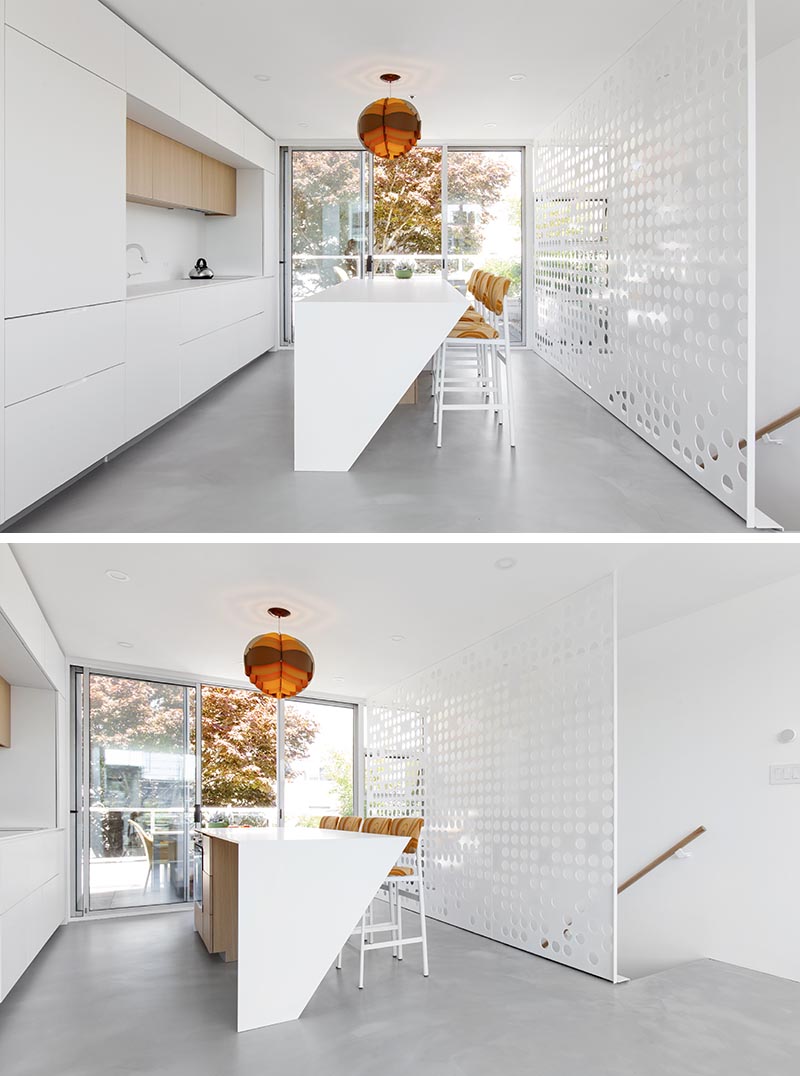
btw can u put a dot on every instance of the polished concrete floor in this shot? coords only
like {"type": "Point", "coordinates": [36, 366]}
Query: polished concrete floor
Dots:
{"type": "Point", "coordinates": [225, 465]}
{"type": "Point", "coordinates": [122, 996]}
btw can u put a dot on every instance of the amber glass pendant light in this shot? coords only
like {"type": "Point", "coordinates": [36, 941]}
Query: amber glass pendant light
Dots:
{"type": "Point", "coordinates": [278, 664]}
{"type": "Point", "coordinates": [389, 127]}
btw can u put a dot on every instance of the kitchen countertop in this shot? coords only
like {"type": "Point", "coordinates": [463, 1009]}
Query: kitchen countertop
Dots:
{"type": "Point", "coordinates": [279, 834]}
{"type": "Point", "coordinates": [165, 287]}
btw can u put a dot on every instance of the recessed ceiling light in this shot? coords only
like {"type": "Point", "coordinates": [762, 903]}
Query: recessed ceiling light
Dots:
{"type": "Point", "coordinates": [398, 638]}
{"type": "Point", "coordinates": [490, 125]}
{"type": "Point", "coordinates": [504, 563]}
{"type": "Point", "coordinates": [128, 646]}
{"type": "Point", "coordinates": [338, 679]}
{"type": "Point", "coordinates": [263, 78]}
{"type": "Point", "coordinates": [117, 576]}
{"type": "Point", "coordinates": [517, 78]}
{"type": "Point", "coordinates": [302, 125]}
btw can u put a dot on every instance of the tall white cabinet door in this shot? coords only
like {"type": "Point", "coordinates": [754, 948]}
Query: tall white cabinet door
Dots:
{"type": "Point", "coordinates": [152, 369]}
{"type": "Point", "coordinates": [65, 183]}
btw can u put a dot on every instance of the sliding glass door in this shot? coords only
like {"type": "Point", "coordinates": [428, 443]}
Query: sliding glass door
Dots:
{"type": "Point", "coordinates": [445, 209]}
{"type": "Point", "coordinates": [484, 220]}
{"type": "Point", "coordinates": [148, 750]}
{"type": "Point", "coordinates": [141, 791]}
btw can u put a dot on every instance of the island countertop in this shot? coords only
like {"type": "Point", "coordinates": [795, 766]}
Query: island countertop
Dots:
{"type": "Point", "coordinates": [359, 345]}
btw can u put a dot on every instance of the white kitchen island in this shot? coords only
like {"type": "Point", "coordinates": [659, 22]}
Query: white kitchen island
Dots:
{"type": "Point", "coordinates": [300, 894]}
{"type": "Point", "coordinates": [358, 347]}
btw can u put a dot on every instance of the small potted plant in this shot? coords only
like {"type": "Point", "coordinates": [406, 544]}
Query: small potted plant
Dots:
{"type": "Point", "coordinates": [218, 820]}
{"type": "Point", "coordinates": [403, 270]}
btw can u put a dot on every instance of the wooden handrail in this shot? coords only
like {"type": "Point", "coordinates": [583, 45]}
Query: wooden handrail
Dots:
{"type": "Point", "coordinates": [662, 858]}
{"type": "Point", "coordinates": [778, 424]}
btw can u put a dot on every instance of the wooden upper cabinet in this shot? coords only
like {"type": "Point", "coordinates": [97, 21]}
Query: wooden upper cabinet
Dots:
{"type": "Point", "coordinates": [141, 141]}
{"type": "Point", "coordinates": [219, 187]}
{"type": "Point", "coordinates": [177, 174]}
{"type": "Point", "coordinates": [161, 171]}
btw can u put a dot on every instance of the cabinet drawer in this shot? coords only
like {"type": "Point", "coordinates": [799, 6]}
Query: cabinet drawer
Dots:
{"type": "Point", "coordinates": [53, 437]}
{"type": "Point", "coordinates": [207, 361]}
{"type": "Point", "coordinates": [246, 299]}
{"type": "Point", "coordinates": [203, 311]}
{"type": "Point", "coordinates": [46, 351]}
{"type": "Point", "coordinates": [253, 338]}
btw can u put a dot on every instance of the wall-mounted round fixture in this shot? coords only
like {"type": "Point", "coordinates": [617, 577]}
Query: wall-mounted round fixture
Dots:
{"type": "Point", "coordinates": [118, 576]}
{"type": "Point", "coordinates": [787, 736]}
{"type": "Point", "coordinates": [389, 127]}
{"type": "Point", "coordinates": [278, 664]}
{"type": "Point", "coordinates": [505, 563]}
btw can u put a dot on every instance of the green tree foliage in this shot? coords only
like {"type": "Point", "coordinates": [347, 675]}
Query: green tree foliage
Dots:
{"type": "Point", "coordinates": [339, 771]}
{"type": "Point", "coordinates": [239, 735]}
{"type": "Point", "coordinates": [240, 730]}
{"type": "Point", "coordinates": [408, 200]}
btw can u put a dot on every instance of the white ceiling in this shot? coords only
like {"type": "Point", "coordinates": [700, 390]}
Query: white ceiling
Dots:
{"type": "Point", "coordinates": [192, 608]}
{"type": "Point", "coordinates": [777, 23]}
{"type": "Point", "coordinates": [324, 58]}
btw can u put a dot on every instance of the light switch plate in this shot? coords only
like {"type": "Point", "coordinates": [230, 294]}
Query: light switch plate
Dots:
{"type": "Point", "coordinates": [785, 775]}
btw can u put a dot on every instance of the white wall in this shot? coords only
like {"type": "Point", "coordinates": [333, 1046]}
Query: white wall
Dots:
{"type": "Point", "coordinates": [28, 769]}
{"type": "Point", "coordinates": [173, 240]}
{"type": "Point", "coordinates": [702, 700]}
{"type": "Point", "coordinates": [778, 243]}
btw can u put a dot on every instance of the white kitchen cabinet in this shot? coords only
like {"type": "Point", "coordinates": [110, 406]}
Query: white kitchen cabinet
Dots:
{"type": "Point", "coordinates": [83, 31]}
{"type": "Point", "coordinates": [32, 903]}
{"type": "Point", "coordinates": [257, 145]}
{"type": "Point", "coordinates": [198, 106]}
{"type": "Point", "coordinates": [270, 226]}
{"type": "Point", "coordinates": [254, 339]}
{"type": "Point", "coordinates": [152, 373]}
{"type": "Point", "coordinates": [207, 361]}
{"type": "Point", "coordinates": [230, 128]}
{"type": "Point", "coordinates": [271, 312]}
{"type": "Point", "coordinates": [152, 76]}
{"type": "Point", "coordinates": [46, 351]}
{"type": "Point", "coordinates": [53, 437]}
{"type": "Point", "coordinates": [65, 183]}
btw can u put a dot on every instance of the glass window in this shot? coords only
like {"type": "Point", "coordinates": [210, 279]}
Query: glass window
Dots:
{"type": "Point", "coordinates": [319, 761]}
{"type": "Point", "coordinates": [407, 211]}
{"type": "Point", "coordinates": [239, 757]}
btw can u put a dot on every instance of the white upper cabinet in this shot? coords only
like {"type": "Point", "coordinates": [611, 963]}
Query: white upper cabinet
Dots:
{"type": "Point", "coordinates": [258, 147]}
{"type": "Point", "coordinates": [198, 106]}
{"type": "Point", "coordinates": [152, 77]}
{"type": "Point", "coordinates": [230, 128]}
{"type": "Point", "coordinates": [65, 183]}
{"type": "Point", "coordinates": [84, 31]}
